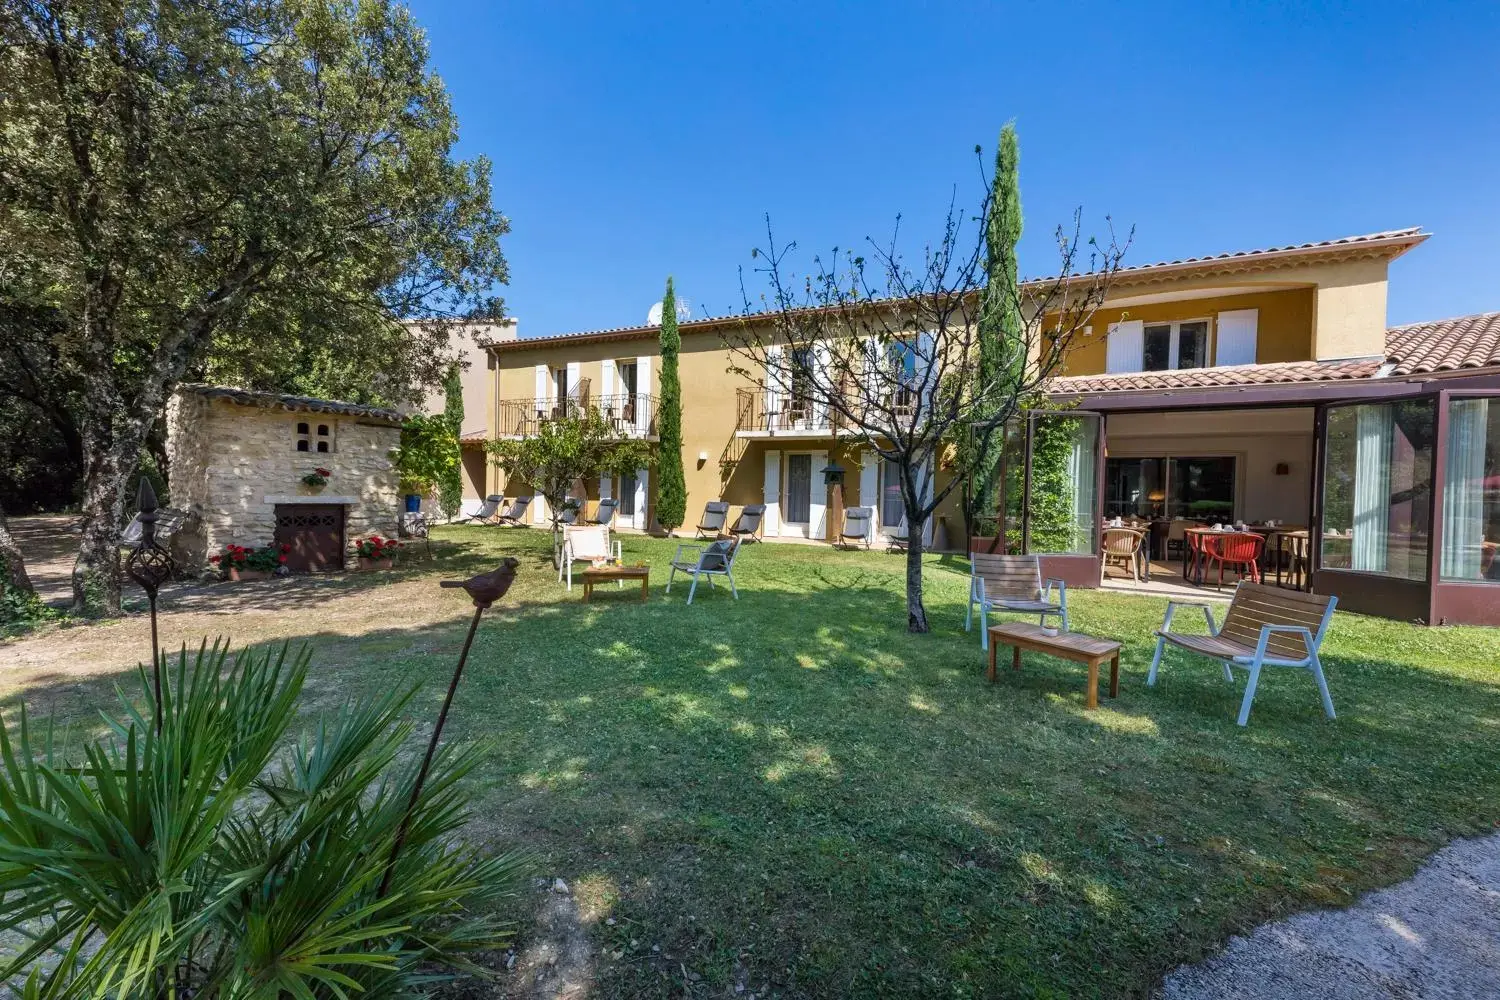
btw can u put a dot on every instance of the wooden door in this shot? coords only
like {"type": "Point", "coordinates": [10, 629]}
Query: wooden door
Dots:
{"type": "Point", "coordinates": [315, 533]}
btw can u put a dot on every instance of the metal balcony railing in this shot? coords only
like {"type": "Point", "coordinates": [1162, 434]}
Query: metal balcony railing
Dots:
{"type": "Point", "coordinates": [778, 412]}
{"type": "Point", "coordinates": [631, 415]}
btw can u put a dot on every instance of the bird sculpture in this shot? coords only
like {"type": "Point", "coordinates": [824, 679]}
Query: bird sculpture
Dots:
{"type": "Point", "coordinates": [487, 588]}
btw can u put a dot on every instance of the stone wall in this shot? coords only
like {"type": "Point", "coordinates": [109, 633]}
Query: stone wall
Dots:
{"type": "Point", "coordinates": [228, 462]}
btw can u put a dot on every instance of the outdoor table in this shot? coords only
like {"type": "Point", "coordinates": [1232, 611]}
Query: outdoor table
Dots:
{"type": "Point", "coordinates": [1075, 646]}
{"type": "Point", "coordinates": [1296, 535]}
{"type": "Point", "coordinates": [600, 574]}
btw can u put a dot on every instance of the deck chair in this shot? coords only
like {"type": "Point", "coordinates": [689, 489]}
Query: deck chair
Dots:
{"type": "Point", "coordinates": [715, 559]}
{"type": "Point", "coordinates": [899, 538]}
{"type": "Point", "coordinates": [569, 514]}
{"type": "Point", "coordinates": [586, 543]}
{"type": "Point", "coordinates": [1264, 627]}
{"type": "Point", "coordinates": [168, 521]}
{"type": "Point", "coordinates": [715, 513]}
{"type": "Point", "coordinates": [747, 526]}
{"type": "Point", "coordinates": [856, 527]}
{"type": "Point", "coordinates": [488, 510]}
{"type": "Point", "coordinates": [1008, 583]}
{"type": "Point", "coordinates": [515, 514]}
{"type": "Point", "coordinates": [605, 513]}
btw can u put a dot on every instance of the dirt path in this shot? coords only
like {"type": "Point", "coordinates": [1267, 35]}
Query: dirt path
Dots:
{"type": "Point", "coordinates": [1435, 936]}
{"type": "Point", "coordinates": [50, 544]}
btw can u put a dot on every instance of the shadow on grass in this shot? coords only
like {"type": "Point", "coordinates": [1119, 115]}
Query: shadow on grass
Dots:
{"type": "Point", "coordinates": [790, 785]}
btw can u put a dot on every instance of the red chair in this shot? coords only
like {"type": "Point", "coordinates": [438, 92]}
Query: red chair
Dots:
{"type": "Point", "coordinates": [1241, 551]}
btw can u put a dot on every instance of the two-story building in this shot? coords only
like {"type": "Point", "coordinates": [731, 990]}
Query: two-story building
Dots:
{"type": "Point", "coordinates": [1253, 386]}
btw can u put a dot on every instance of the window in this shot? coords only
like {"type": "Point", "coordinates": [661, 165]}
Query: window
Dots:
{"type": "Point", "coordinates": [1198, 488]}
{"type": "Point", "coordinates": [1135, 487]}
{"type": "Point", "coordinates": [325, 440]}
{"type": "Point", "coordinates": [802, 363]}
{"type": "Point", "coordinates": [627, 495]}
{"type": "Point", "coordinates": [1169, 346]}
{"type": "Point", "coordinates": [304, 440]}
{"type": "Point", "coordinates": [560, 383]}
{"type": "Point", "coordinates": [1471, 492]}
{"type": "Point", "coordinates": [891, 505]}
{"type": "Point", "coordinates": [318, 439]}
{"type": "Point", "coordinates": [627, 372]}
{"type": "Point", "coordinates": [1377, 488]}
{"type": "Point", "coordinates": [901, 355]}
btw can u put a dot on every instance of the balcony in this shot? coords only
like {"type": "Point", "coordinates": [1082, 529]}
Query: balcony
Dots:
{"type": "Point", "coordinates": [759, 413]}
{"type": "Point", "coordinates": [631, 415]}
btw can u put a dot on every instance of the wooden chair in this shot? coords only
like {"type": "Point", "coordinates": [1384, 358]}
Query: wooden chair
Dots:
{"type": "Point", "coordinates": [1240, 550]}
{"type": "Point", "coordinates": [1264, 626]}
{"type": "Point", "coordinates": [1002, 582]}
{"type": "Point", "coordinates": [1122, 545]}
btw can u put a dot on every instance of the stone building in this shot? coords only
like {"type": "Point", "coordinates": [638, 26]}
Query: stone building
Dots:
{"type": "Point", "coordinates": [236, 462]}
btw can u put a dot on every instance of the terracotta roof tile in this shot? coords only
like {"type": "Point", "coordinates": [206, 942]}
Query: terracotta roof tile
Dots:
{"type": "Point", "coordinates": [1444, 345]}
{"type": "Point", "coordinates": [276, 400]}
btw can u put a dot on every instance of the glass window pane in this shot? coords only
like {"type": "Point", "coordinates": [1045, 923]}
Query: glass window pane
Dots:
{"type": "Point", "coordinates": [798, 488]}
{"type": "Point", "coordinates": [1192, 345]}
{"type": "Point", "coordinates": [1158, 348]}
{"type": "Point", "coordinates": [1202, 488]}
{"type": "Point", "coordinates": [891, 506]}
{"type": "Point", "coordinates": [1471, 492]}
{"type": "Point", "coordinates": [627, 495]}
{"type": "Point", "coordinates": [1377, 488]}
{"type": "Point", "coordinates": [1134, 487]}
{"type": "Point", "coordinates": [1064, 485]}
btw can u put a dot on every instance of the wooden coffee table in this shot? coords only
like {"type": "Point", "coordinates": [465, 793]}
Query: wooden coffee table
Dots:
{"type": "Point", "coordinates": [1074, 646]}
{"type": "Point", "coordinates": [603, 574]}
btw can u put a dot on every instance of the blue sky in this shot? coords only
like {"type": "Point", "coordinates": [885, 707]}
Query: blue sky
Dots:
{"type": "Point", "coordinates": [633, 141]}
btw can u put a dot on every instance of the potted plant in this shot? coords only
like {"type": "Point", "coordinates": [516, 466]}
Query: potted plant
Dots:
{"type": "Point", "coordinates": [429, 450]}
{"type": "Point", "coordinates": [315, 480]}
{"type": "Point", "coordinates": [376, 552]}
{"type": "Point", "coordinates": [240, 562]}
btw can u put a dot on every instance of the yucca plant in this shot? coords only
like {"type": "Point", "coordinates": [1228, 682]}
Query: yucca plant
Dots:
{"type": "Point", "coordinates": [223, 858]}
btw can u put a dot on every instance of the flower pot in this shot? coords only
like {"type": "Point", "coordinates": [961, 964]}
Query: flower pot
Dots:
{"type": "Point", "coordinates": [413, 503]}
{"type": "Point", "coordinates": [366, 564]}
{"type": "Point", "coordinates": [309, 490]}
{"type": "Point", "coordinates": [238, 575]}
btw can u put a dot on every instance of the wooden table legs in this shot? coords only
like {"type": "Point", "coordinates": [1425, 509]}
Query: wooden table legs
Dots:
{"type": "Point", "coordinates": [1091, 692]}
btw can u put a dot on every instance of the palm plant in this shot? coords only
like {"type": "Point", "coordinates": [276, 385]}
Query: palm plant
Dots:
{"type": "Point", "coordinates": [219, 858]}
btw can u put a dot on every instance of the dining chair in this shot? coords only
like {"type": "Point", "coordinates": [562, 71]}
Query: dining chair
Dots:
{"type": "Point", "coordinates": [1237, 550]}
{"type": "Point", "coordinates": [1122, 545]}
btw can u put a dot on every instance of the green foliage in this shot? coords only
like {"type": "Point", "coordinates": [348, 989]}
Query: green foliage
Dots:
{"type": "Point", "coordinates": [216, 859]}
{"type": "Point", "coordinates": [20, 608]}
{"type": "Point", "coordinates": [428, 453]}
{"type": "Point", "coordinates": [671, 489]}
{"type": "Point", "coordinates": [1001, 328]}
{"type": "Point", "coordinates": [451, 486]}
{"type": "Point", "coordinates": [1052, 492]}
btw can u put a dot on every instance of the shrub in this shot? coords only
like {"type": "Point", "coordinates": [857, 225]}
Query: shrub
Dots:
{"type": "Point", "coordinates": [219, 859]}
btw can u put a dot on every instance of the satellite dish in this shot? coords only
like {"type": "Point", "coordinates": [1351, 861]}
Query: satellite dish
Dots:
{"type": "Point", "coordinates": [684, 313]}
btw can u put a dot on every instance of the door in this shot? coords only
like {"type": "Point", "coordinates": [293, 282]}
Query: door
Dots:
{"type": "Point", "coordinates": [796, 505]}
{"type": "Point", "coordinates": [315, 533]}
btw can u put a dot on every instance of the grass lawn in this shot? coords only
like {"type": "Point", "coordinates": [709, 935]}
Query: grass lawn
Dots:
{"type": "Point", "coordinates": [789, 790]}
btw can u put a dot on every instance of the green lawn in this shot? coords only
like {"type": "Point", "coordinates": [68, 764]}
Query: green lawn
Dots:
{"type": "Point", "coordinates": [790, 790]}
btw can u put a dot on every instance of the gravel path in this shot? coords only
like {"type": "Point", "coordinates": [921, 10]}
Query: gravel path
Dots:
{"type": "Point", "coordinates": [1435, 936]}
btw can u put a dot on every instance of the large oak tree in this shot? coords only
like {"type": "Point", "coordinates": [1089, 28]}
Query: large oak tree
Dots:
{"type": "Point", "coordinates": [245, 190]}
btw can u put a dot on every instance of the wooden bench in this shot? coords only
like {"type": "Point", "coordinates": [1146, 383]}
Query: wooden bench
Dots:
{"type": "Point", "coordinates": [1000, 582]}
{"type": "Point", "coordinates": [1264, 626]}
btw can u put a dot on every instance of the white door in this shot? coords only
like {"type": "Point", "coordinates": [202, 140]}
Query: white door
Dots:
{"type": "Point", "coordinates": [797, 496]}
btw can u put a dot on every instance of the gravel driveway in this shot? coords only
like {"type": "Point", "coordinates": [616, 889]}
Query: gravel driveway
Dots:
{"type": "Point", "coordinates": [1435, 936]}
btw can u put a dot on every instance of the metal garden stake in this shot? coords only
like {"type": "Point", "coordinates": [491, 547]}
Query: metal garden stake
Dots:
{"type": "Point", "coordinates": [150, 565]}
{"type": "Point", "coordinates": [484, 589]}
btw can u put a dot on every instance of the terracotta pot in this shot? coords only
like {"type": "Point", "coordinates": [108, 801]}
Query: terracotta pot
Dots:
{"type": "Point", "coordinates": [237, 575]}
{"type": "Point", "coordinates": [308, 490]}
{"type": "Point", "coordinates": [366, 563]}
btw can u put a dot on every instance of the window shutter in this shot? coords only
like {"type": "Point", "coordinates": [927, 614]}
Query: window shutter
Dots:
{"type": "Point", "coordinates": [771, 495]}
{"type": "Point", "coordinates": [773, 386]}
{"type": "Point", "coordinates": [869, 481]}
{"type": "Point", "coordinates": [823, 384]}
{"type": "Point", "coordinates": [926, 361]}
{"type": "Point", "coordinates": [872, 372]}
{"type": "Point", "coordinates": [606, 378]}
{"type": "Point", "coordinates": [642, 394]}
{"type": "Point", "coordinates": [1236, 337]}
{"type": "Point", "coordinates": [575, 379]}
{"type": "Point", "coordinates": [543, 386]}
{"type": "Point", "coordinates": [818, 504]}
{"type": "Point", "coordinates": [1125, 347]}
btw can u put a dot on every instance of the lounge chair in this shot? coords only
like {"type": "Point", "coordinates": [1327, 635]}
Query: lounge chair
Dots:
{"type": "Point", "coordinates": [515, 514]}
{"type": "Point", "coordinates": [168, 521]}
{"type": "Point", "coordinates": [1012, 584]}
{"type": "Point", "coordinates": [1264, 627]}
{"type": "Point", "coordinates": [747, 526]}
{"type": "Point", "coordinates": [715, 513]}
{"type": "Point", "coordinates": [570, 512]}
{"type": "Point", "coordinates": [899, 538]}
{"type": "Point", "coordinates": [714, 559]}
{"type": "Point", "coordinates": [586, 543]}
{"type": "Point", "coordinates": [605, 513]}
{"type": "Point", "coordinates": [488, 510]}
{"type": "Point", "coordinates": [856, 527]}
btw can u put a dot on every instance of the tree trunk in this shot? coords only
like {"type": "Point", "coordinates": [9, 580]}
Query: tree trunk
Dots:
{"type": "Point", "coordinates": [15, 563]}
{"type": "Point", "coordinates": [916, 612]}
{"type": "Point", "coordinates": [112, 448]}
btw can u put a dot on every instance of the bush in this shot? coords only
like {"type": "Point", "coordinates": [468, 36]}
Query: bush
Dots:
{"type": "Point", "coordinates": [217, 859]}
{"type": "Point", "coordinates": [267, 558]}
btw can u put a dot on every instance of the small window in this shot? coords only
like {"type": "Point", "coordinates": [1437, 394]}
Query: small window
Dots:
{"type": "Point", "coordinates": [321, 441]}
{"type": "Point", "coordinates": [323, 437]}
{"type": "Point", "coordinates": [1168, 346]}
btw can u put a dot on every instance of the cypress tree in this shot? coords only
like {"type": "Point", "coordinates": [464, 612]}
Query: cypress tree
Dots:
{"type": "Point", "coordinates": [451, 488]}
{"type": "Point", "coordinates": [1001, 328]}
{"type": "Point", "coordinates": [671, 489]}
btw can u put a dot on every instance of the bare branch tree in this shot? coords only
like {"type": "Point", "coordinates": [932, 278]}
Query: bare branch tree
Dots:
{"type": "Point", "coordinates": [884, 353]}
